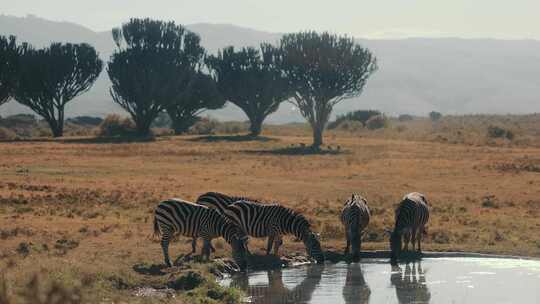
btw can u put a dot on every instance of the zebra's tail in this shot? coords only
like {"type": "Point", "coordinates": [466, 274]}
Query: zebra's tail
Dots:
{"type": "Point", "coordinates": [157, 232]}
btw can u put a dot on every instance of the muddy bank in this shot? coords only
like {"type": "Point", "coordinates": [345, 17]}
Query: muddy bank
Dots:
{"type": "Point", "coordinates": [268, 262]}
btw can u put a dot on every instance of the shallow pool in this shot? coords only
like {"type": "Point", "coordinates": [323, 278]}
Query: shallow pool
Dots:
{"type": "Point", "coordinates": [432, 280]}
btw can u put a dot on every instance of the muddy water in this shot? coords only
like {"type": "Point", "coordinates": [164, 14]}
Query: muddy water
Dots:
{"type": "Point", "coordinates": [433, 280]}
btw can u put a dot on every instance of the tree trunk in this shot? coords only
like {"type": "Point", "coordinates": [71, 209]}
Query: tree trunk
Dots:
{"type": "Point", "coordinates": [255, 127]}
{"type": "Point", "coordinates": [58, 131]}
{"type": "Point", "coordinates": [57, 127]}
{"type": "Point", "coordinates": [317, 136]}
{"type": "Point", "coordinates": [143, 127]}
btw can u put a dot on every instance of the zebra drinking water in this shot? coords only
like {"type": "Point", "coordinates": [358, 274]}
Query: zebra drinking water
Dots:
{"type": "Point", "coordinates": [273, 221]}
{"type": "Point", "coordinates": [175, 216]}
{"type": "Point", "coordinates": [355, 218]}
{"type": "Point", "coordinates": [412, 216]}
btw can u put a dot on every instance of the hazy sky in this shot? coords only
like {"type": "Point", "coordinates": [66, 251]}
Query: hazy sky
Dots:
{"type": "Point", "coordinates": [512, 19]}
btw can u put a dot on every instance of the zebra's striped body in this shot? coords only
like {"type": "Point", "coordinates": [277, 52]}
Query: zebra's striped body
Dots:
{"type": "Point", "coordinates": [274, 221]}
{"type": "Point", "coordinates": [355, 218]}
{"type": "Point", "coordinates": [412, 216]}
{"type": "Point", "coordinates": [219, 202]}
{"type": "Point", "coordinates": [176, 216]}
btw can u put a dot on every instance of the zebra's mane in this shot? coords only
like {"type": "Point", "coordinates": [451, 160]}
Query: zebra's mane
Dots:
{"type": "Point", "coordinates": [246, 199]}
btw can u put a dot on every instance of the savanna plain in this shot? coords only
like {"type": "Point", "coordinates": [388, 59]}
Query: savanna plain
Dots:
{"type": "Point", "coordinates": [76, 213]}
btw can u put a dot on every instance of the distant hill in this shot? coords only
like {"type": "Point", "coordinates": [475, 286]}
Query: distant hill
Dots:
{"type": "Point", "coordinates": [415, 75]}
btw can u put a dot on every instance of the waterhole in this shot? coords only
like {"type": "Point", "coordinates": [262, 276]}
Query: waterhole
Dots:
{"type": "Point", "coordinates": [431, 280]}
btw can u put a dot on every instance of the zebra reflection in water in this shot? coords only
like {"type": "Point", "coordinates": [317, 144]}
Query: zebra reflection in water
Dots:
{"type": "Point", "coordinates": [355, 289]}
{"type": "Point", "coordinates": [276, 292]}
{"type": "Point", "coordinates": [410, 284]}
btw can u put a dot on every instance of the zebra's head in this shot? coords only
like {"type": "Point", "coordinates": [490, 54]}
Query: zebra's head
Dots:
{"type": "Point", "coordinates": [313, 247]}
{"type": "Point", "coordinates": [239, 248]}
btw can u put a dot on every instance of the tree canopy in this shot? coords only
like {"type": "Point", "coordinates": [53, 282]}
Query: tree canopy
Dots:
{"type": "Point", "coordinates": [251, 79]}
{"type": "Point", "coordinates": [323, 69]}
{"type": "Point", "coordinates": [151, 67]}
{"type": "Point", "coordinates": [9, 66]}
{"type": "Point", "coordinates": [51, 77]}
{"type": "Point", "coordinates": [200, 94]}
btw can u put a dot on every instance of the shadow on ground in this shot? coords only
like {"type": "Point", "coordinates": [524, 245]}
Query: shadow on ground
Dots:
{"type": "Point", "coordinates": [232, 138]}
{"type": "Point", "coordinates": [299, 150]}
{"type": "Point", "coordinates": [85, 140]}
{"type": "Point", "coordinates": [154, 270]}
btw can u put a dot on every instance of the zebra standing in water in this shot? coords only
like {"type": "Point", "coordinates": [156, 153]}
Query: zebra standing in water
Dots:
{"type": "Point", "coordinates": [412, 216]}
{"type": "Point", "coordinates": [273, 221]}
{"type": "Point", "coordinates": [355, 218]}
{"type": "Point", "coordinates": [176, 216]}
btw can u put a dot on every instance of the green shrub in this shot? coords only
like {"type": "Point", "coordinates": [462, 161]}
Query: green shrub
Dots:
{"type": "Point", "coordinates": [377, 122]}
{"type": "Point", "coordinates": [114, 126]}
{"type": "Point", "coordinates": [498, 132]}
{"type": "Point", "coordinates": [361, 115]}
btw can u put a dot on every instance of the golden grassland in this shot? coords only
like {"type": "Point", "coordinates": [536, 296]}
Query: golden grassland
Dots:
{"type": "Point", "coordinates": [79, 211]}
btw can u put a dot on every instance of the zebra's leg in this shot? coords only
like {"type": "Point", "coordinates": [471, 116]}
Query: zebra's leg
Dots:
{"type": "Point", "coordinates": [413, 238]}
{"type": "Point", "coordinates": [193, 245]}
{"type": "Point", "coordinates": [205, 252]}
{"type": "Point", "coordinates": [347, 236]}
{"type": "Point", "coordinates": [277, 243]}
{"type": "Point", "coordinates": [270, 242]}
{"type": "Point", "coordinates": [165, 245]}
{"type": "Point", "coordinates": [420, 239]}
{"type": "Point", "coordinates": [406, 238]}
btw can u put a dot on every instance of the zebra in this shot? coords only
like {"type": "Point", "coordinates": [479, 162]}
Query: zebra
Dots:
{"type": "Point", "coordinates": [277, 291]}
{"type": "Point", "coordinates": [355, 218]}
{"type": "Point", "coordinates": [273, 221]}
{"type": "Point", "coordinates": [176, 216]}
{"type": "Point", "coordinates": [219, 202]}
{"type": "Point", "coordinates": [410, 284]}
{"type": "Point", "coordinates": [412, 216]}
{"type": "Point", "coordinates": [355, 289]}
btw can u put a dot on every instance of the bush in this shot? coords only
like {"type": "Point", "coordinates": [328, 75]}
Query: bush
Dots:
{"type": "Point", "coordinates": [205, 126]}
{"type": "Point", "coordinates": [114, 126]}
{"type": "Point", "coordinates": [434, 116]}
{"type": "Point", "coordinates": [377, 122]}
{"type": "Point", "coordinates": [7, 134]}
{"type": "Point", "coordinates": [361, 115]}
{"type": "Point", "coordinates": [405, 117]}
{"type": "Point", "coordinates": [498, 132]}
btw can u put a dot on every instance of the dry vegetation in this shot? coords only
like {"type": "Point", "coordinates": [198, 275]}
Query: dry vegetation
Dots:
{"type": "Point", "coordinates": [77, 212]}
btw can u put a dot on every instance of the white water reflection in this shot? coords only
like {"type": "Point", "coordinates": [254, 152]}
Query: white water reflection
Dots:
{"type": "Point", "coordinates": [440, 280]}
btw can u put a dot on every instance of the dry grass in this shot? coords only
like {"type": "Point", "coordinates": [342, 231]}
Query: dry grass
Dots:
{"type": "Point", "coordinates": [78, 212]}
